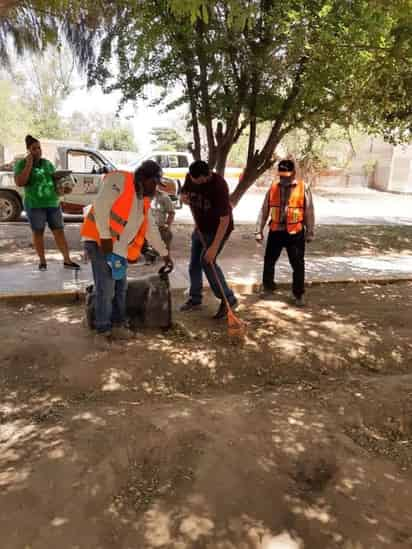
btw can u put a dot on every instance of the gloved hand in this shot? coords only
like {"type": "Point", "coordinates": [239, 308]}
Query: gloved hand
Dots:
{"type": "Point", "coordinates": [118, 265]}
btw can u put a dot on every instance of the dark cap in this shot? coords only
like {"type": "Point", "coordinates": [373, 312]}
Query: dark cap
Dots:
{"type": "Point", "coordinates": [286, 166]}
{"type": "Point", "coordinates": [149, 169]}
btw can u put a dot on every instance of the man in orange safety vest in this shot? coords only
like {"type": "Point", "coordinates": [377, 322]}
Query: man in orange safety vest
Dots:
{"type": "Point", "coordinates": [114, 230]}
{"type": "Point", "coordinates": [289, 204]}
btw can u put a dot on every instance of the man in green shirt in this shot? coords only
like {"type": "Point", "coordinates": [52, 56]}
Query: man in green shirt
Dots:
{"type": "Point", "coordinates": [41, 201]}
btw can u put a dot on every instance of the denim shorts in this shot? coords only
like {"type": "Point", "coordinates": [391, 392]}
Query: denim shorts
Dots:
{"type": "Point", "coordinates": [38, 217]}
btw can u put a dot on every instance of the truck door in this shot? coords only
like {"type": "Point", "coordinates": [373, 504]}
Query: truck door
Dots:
{"type": "Point", "coordinates": [88, 171]}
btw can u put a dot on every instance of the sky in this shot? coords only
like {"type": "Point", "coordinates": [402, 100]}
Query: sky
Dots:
{"type": "Point", "coordinates": [141, 117]}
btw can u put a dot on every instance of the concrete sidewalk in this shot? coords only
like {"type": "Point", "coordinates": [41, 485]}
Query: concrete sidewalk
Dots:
{"type": "Point", "coordinates": [244, 275]}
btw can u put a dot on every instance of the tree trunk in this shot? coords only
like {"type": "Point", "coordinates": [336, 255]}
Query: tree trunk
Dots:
{"type": "Point", "coordinates": [245, 182]}
{"type": "Point", "coordinates": [204, 93]}
{"type": "Point", "coordinates": [196, 149]}
{"type": "Point", "coordinates": [260, 161]}
{"type": "Point", "coordinates": [222, 153]}
{"type": "Point", "coordinates": [257, 164]}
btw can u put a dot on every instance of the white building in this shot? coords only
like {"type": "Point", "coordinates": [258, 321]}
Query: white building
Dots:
{"type": "Point", "coordinates": [393, 171]}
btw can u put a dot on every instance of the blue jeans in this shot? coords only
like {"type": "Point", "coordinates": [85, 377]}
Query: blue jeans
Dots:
{"type": "Point", "coordinates": [39, 217]}
{"type": "Point", "coordinates": [110, 302]}
{"type": "Point", "coordinates": [198, 265]}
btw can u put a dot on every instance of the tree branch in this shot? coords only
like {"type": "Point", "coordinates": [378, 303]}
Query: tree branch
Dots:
{"type": "Point", "coordinates": [273, 138]}
{"type": "Point", "coordinates": [204, 92]}
{"type": "Point", "coordinates": [240, 130]}
{"type": "Point", "coordinates": [196, 150]}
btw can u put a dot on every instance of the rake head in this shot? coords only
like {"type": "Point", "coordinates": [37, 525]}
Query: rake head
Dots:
{"type": "Point", "coordinates": [235, 326]}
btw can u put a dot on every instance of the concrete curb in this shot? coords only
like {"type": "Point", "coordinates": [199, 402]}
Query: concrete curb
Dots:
{"type": "Point", "coordinates": [64, 296]}
{"type": "Point", "coordinates": [255, 287]}
{"type": "Point", "coordinates": [75, 296]}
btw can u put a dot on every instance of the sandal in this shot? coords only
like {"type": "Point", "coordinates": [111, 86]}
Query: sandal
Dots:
{"type": "Point", "coordinates": [71, 265]}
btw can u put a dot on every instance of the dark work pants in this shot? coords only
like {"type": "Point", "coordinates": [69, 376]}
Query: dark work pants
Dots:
{"type": "Point", "coordinates": [295, 248]}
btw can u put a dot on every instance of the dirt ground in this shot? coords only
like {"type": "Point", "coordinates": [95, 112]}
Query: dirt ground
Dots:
{"type": "Point", "coordinates": [15, 241]}
{"type": "Point", "coordinates": [298, 437]}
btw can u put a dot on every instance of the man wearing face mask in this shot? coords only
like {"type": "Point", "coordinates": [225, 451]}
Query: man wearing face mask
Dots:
{"type": "Point", "coordinates": [207, 194]}
{"type": "Point", "coordinates": [114, 231]}
{"type": "Point", "coordinates": [290, 206]}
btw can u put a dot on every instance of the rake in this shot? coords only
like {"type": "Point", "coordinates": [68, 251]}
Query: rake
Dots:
{"type": "Point", "coordinates": [235, 326]}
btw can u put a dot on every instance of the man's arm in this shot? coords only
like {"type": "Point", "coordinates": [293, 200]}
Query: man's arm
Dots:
{"type": "Point", "coordinates": [211, 252]}
{"type": "Point", "coordinates": [170, 210]}
{"type": "Point", "coordinates": [309, 216]}
{"type": "Point", "coordinates": [184, 193]}
{"type": "Point", "coordinates": [263, 217]}
{"type": "Point", "coordinates": [111, 189]}
{"type": "Point", "coordinates": [153, 237]}
{"type": "Point", "coordinates": [225, 209]}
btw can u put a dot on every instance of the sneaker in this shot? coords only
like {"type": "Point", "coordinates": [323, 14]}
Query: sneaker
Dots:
{"type": "Point", "coordinates": [298, 301]}
{"type": "Point", "coordinates": [42, 266]}
{"type": "Point", "coordinates": [103, 339]}
{"type": "Point", "coordinates": [71, 265]}
{"type": "Point", "coordinates": [269, 288]}
{"type": "Point", "coordinates": [189, 306]}
{"type": "Point", "coordinates": [222, 310]}
{"type": "Point", "coordinates": [267, 293]}
{"type": "Point", "coordinates": [121, 333]}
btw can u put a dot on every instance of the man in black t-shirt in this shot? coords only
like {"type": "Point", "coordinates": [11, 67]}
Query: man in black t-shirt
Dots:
{"type": "Point", "coordinates": [207, 194]}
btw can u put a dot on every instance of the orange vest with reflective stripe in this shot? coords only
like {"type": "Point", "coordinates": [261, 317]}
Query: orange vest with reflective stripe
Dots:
{"type": "Point", "coordinates": [295, 210]}
{"type": "Point", "coordinates": [119, 216]}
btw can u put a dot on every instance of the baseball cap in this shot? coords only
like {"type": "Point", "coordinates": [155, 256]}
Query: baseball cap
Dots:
{"type": "Point", "coordinates": [286, 166]}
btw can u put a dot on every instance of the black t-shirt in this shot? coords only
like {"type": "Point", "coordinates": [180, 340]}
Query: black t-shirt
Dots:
{"type": "Point", "coordinates": [209, 202]}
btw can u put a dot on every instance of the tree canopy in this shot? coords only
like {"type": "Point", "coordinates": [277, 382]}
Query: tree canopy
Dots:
{"type": "Point", "coordinates": [116, 139]}
{"type": "Point", "coordinates": [295, 64]}
{"type": "Point", "coordinates": [303, 64]}
{"type": "Point", "coordinates": [169, 139]}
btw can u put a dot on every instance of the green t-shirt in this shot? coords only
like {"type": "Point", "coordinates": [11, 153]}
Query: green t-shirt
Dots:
{"type": "Point", "coordinates": [39, 191]}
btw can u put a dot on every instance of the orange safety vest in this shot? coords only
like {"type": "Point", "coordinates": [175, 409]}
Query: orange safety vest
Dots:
{"type": "Point", "coordinates": [295, 211]}
{"type": "Point", "coordinates": [119, 216]}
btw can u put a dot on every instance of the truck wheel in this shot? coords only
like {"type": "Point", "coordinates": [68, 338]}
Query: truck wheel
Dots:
{"type": "Point", "coordinates": [10, 206]}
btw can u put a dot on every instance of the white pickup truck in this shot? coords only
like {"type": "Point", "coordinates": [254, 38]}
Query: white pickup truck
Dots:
{"type": "Point", "coordinates": [88, 167]}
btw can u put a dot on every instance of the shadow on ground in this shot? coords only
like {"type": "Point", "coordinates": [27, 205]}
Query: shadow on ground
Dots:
{"type": "Point", "coordinates": [297, 437]}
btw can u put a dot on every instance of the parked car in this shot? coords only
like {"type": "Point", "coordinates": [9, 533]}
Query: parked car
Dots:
{"type": "Point", "coordinates": [88, 167]}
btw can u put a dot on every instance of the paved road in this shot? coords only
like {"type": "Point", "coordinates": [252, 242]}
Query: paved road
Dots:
{"type": "Point", "coordinates": [333, 206]}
